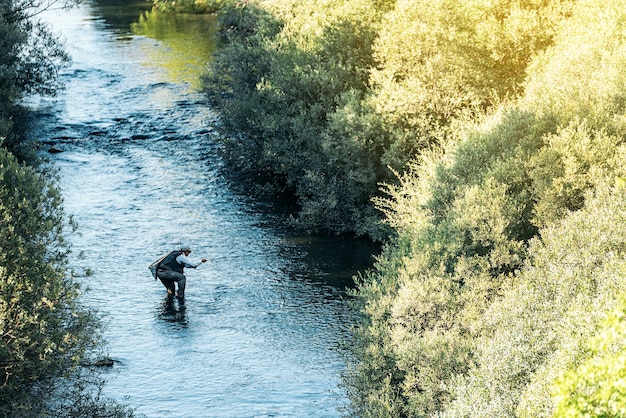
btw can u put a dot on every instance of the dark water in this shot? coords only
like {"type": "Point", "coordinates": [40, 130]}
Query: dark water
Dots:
{"type": "Point", "coordinates": [261, 330]}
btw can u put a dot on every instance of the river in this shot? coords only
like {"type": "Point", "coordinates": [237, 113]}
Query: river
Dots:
{"type": "Point", "coordinates": [261, 331]}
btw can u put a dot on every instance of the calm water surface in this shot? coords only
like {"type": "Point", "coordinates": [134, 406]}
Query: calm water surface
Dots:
{"type": "Point", "coordinates": [261, 329]}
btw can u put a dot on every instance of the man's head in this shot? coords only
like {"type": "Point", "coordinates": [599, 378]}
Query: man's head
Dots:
{"type": "Point", "coordinates": [186, 249]}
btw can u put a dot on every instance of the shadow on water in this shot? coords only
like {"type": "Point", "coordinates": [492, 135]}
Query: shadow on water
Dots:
{"type": "Point", "coordinates": [327, 260]}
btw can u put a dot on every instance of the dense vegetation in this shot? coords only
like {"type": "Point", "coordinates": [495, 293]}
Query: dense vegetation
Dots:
{"type": "Point", "coordinates": [498, 130]}
{"type": "Point", "coordinates": [188, 6]}
{"type": "Point", "coordinates": [45, 334]}
{"type": "Point", "coordinates": [331, 97]}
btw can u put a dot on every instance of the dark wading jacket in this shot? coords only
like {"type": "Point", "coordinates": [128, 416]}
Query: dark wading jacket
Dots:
{"type": "Point", "coordinates": [170, 263]}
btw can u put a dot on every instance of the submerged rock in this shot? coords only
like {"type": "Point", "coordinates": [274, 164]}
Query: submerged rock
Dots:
{"type": "Point", "coordinates": [103, 362]}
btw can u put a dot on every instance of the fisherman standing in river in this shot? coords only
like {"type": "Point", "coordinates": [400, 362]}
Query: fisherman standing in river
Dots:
{"type": "Point", "coordinates": [170, 270]}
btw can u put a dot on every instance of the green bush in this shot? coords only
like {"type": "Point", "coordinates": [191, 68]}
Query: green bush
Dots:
{"type": "Point", "coordinates": [30, 53]}
{"type": "Point", "coordinates": [573, 275]}
{"type": "Point", "coordinates": [447, 60]}
{"type": "Point", "coordinates": [582, 75]}
{"type": "Point", "coordinates": [462, 216]}
{"type": "Point", "coordinates": [595, 387]}
{"type": "Point", "coordinates": [283, 86]}
{"type": "Point", "coordinates": [189, 6]}
{"type": "Point", "coordinates": [30, 57]}
{"type": "Point", "coordinates": [433, 308]}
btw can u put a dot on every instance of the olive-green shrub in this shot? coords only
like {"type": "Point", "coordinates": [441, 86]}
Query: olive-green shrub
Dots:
{"type": "Point", "coordinates": [443, 60]}
{"type": "Point", "coordinates": [510, 245]}
{"type": "Point", "coordinates": [30, 57]}
{"type": "Point", "coordinates": [574, 274]}
{"type": "Point", "coordinates": [463, 215]}
{"type": "Point", "coordinates": [595, 386]}
{"type": "Point", "coordinates": [284, 82]}
{"type": "Point", "coordinates": [44, 333]}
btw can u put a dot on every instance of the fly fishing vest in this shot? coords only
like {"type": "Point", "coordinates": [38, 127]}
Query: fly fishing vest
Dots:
{"type": "Point", "coordinates": [170, 263]}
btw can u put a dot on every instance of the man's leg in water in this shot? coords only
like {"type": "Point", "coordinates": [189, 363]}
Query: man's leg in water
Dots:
{"type": "Point", "coordinates": [168, 278]}
{"type": "Point", "coordinates": [169, 285]}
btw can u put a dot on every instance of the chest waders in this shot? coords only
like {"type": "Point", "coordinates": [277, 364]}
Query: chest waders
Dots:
{"type": "Point", "coordinates": [170, 272]}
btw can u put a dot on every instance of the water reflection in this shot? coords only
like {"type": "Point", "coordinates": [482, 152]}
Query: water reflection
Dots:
{"type": "Point", "coordinates": [187, 46]}
{"type": "Point", "coordinates": [173, 310]}
{"type": "Point", "coordinates": [185, 41]}
{"type": "Point", "coordinates": [117, 15]}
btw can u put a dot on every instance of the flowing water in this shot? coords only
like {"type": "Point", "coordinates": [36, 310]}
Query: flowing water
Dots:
{"type": "Point", "coordinates": [261, 329]}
